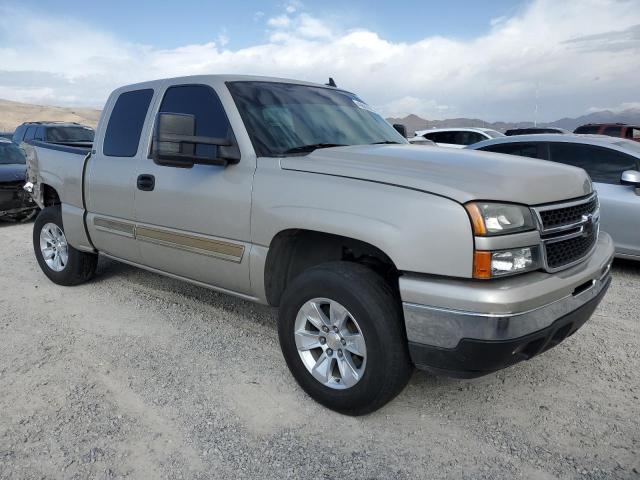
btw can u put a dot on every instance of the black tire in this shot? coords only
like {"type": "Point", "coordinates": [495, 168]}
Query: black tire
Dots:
{"type": "Point", "coordinates": [377, 309]}
{"type": "Point", "coordinates": [80, 266]}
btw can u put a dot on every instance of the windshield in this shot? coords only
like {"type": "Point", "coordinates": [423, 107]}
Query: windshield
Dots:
{"type": "Point", "coordinates": [589, 129]}
{"type": "Point", "coordinates": [10, 153]}
{"type": "Point", "coordinates": [493, 133]}
{"type": "Point", "coordinates": [287, 119]}
{"type": "Point", "coordinates": [69, 134]}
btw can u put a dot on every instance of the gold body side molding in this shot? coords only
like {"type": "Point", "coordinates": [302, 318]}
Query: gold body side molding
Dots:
{"type": "Point", "coordinates": [205, 246]}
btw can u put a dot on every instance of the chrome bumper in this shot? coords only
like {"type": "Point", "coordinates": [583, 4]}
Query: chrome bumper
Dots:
{"type": "Point", "coordinates": [502, 309]}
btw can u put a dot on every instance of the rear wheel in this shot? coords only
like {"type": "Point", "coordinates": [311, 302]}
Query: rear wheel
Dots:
{"type": "Point", "coordinates": [59, 261]}
{"type": "Point", "coordinates": [340, 329]}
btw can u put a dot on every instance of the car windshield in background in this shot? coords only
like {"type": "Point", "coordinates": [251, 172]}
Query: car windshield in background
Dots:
{"type": "Point", "coordinates": [69, 134]}
{"type": "Point", "coordinates": [10, 153]}
{"type": "Point", "coordinates": [587, 130]}
{"type": "Point", "coordinates": [494, 133]}
{"type": "Point", "coordinates": [288, 119]}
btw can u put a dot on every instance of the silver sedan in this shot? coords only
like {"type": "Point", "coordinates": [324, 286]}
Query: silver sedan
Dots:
{"type": "Point", "coordinates": [614, 167]}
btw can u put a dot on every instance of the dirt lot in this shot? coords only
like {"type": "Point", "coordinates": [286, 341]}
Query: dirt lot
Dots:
{"type": "Point", "coordinates": [135, 375]}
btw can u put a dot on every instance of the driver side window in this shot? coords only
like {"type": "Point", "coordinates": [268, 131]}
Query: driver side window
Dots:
{"type": "Point", "coordinates": [202, 102]}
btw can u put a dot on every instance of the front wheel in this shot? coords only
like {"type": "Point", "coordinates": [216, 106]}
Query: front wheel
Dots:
{"type": "Point", "coordinates": [340, 329]}
{"type": "Point", "coordinates": [59, 261]}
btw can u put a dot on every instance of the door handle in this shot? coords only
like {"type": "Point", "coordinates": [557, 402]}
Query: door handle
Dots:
{"type": "Point", "coordinates": [146, 182]}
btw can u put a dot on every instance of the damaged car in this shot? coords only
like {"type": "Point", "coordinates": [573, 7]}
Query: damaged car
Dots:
{"type": "Point", "coordinates": [15, 203]}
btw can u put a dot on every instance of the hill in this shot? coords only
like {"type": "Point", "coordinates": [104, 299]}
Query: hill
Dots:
{"type": "Point", "coordinates": [414, 122]}
{"type": "Point", "coordinates": [13, 114]}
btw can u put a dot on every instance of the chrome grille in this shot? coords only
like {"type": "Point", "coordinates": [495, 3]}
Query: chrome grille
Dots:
{"type": "Point", "coordinates": [567, 215]}
{"type": "Point", "coordinates": [568, 230]}
{"type": "Point", "coordinates": [568, 251]}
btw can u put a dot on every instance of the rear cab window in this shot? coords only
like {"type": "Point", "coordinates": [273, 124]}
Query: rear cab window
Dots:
{"type": "Point", "coordinates": [126, 121]}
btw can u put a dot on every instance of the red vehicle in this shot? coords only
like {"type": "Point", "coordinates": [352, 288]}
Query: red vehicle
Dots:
{"type": "Point", "coordinates": [622, 130]}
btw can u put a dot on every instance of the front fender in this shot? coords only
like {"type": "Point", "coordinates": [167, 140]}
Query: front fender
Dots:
{"type": "Point", "coordinates": [420, 232]}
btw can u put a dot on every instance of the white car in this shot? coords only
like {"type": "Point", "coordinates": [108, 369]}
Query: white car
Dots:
{"type": "Point", "coordinates": [421, 141]}
{"type": "Point", "coordinates": [456, 137]}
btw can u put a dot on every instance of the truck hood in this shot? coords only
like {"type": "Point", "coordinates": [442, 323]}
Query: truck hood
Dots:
{"type": "Point", "coordinates": [461, 175]}
{"type": "Point", "coordinates": [12, 172]}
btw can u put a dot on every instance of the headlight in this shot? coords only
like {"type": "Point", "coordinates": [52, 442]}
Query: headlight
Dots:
{"type": "Point", "coordinates": [505, 262]}
{"type": "Point", "coordinates": [497, 218]}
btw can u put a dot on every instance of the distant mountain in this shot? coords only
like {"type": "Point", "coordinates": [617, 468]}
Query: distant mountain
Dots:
{"type": "Point", "coordinates": [631, 115]}
{"type": "Point", "coordinates": [13, 114]}
{"type": "Point", "coordinates": [413, 122]}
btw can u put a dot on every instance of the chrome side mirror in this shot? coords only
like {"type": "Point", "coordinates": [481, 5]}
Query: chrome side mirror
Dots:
{"type": "Point", "coordinates": [630, 177]}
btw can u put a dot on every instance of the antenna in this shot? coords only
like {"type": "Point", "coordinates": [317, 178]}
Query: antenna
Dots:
{"type": "Point", "coordinates": [535, 112]}
{"type": "Point", "coordinates": [331, 83]}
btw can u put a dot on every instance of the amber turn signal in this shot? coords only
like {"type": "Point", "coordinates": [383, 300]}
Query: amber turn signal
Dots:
{"type": "Point", "coordinates": [477, 222]}
{"type": "Point", "coordinates": [481, 265]}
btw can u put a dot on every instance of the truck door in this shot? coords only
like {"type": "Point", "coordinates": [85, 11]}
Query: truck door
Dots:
{"type": "Point", "coordinates": [195, 222]}
{"type": "Point", "coordinates": [110, 179]}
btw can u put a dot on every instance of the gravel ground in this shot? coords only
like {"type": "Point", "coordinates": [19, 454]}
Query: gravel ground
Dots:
{"type": "Point", "coordinates": [139, 376]}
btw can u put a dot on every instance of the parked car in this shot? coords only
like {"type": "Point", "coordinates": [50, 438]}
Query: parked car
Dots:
{"type": "Point", "coordinates": [15, 203]}
{"type": "Point", "coordinates": [60, 133]}
{"type": "Point", "coordinates": [533, 130]}
{"type": "Point", "coordinates": [422, 141]}
{"type": "Point", "coordinates": [379, 255]}
{"type": "Point", "coordinates": [614, 167]}
{"type": "Point", "coordinates": [7, 135]}
{"type": "Point", "coordinates": [619, 130]}
{"type": "Point", "coordinates": [457, 137]}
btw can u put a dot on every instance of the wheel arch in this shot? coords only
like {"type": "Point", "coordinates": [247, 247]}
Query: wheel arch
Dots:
{"type": "Point", "coordinates": [294, 250]}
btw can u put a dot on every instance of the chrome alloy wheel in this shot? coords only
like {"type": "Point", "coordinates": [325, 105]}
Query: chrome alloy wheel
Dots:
{"type": "Point", "coordinates": [54, 248]}
{"type": "Point", "coordinates": [330, 343]}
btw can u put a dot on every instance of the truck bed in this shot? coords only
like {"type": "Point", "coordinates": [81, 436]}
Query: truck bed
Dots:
{"type": "Point", "coordinates": [58, 166]}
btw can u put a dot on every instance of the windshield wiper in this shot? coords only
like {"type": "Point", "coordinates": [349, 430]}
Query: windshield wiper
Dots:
{"type": "Point", "coordinates": [312, 147]}
{"type": "Point", "coordinates": [386, 142]}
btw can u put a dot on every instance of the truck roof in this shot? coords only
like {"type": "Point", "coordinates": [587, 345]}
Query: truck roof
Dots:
{"type": "Point", "coordinates": [53, 122]}
{"type": "Point", "coordinates": [220, 79]}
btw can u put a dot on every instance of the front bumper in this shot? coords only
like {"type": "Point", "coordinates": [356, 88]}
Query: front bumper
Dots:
{"type": "Point", "coordinates": [467, 328]}
{"type": "Point", "coordinates": [14, 200]}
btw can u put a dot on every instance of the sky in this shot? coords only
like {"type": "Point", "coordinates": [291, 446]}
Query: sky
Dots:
{"type": "Point", "coordinates": [497, 60]}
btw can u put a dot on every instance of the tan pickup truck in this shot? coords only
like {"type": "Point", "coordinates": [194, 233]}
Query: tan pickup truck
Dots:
{"type": "Point", "coordinates": [380, 255]}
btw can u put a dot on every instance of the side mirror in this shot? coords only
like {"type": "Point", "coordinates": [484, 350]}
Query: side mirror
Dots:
{"type": "Point", "coordinates": [174, 143]}
{"type": "Point", "coordinates": [630, 177]}
{"type": "Point", "coordinates": [401, 129]}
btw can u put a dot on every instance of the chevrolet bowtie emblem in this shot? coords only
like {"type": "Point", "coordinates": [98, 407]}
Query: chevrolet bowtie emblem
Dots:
{"type": "Point", "coordinates": [587, 227]}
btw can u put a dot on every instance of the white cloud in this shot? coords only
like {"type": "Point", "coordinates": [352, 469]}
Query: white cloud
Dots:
{"type": "Point", "coordinates": [281, 21]}
{"type": "Point", "coordinates": [292, 6]}
{"type": "Point", "coordinates": [575, 62]}
{"type": "Point", "coordinates": [222, 39]}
